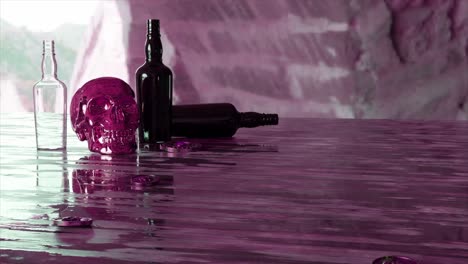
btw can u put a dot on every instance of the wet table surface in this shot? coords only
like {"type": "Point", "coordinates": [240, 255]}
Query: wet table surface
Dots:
{"type": "Point", "coordinates": [306, 191]}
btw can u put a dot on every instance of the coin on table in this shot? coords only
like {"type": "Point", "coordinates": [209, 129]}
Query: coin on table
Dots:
{"type": "Point", "coordinates": [73, 221]}
{"type": "Point", "coordinates": [180, 146]}
{"type": "Point", "coordinates": [394, 260]}
{"type": "Point", "coordinates": [145, 180]}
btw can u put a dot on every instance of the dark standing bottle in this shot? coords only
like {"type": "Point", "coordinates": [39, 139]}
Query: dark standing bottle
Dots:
{"type": "Point", "coordinates": [154, 92]}
{"type": "Point", "coordinates": [215, 120]}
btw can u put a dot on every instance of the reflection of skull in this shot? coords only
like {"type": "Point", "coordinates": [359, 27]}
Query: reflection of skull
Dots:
{"type": "Point", "coordinates": [103, 112]}
{"type": "Point", "coordinates": [105, 173]}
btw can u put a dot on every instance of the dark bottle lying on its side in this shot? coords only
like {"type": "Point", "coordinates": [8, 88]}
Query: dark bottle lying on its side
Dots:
{"type": "Point", "coordinates": [214, 120]}
{"type": "Point", "coordinates": [154, 91]}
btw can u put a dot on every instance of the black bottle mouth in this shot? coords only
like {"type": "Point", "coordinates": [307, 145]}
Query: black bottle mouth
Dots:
{"type": "Point", "coordinates": [153, 27]}
{"type": "Point", "coordinates": [271, 119]}
{"type": "Point", "coordinates": [252, 119]}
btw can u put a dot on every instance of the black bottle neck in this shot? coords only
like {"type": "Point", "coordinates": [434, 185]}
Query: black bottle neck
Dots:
{"type": "Point", "coordinates": [153, 46]}
{"type": "Point", "coordinates": [154, 49]}
{"type": "Point", "coordinates": [252, 119]}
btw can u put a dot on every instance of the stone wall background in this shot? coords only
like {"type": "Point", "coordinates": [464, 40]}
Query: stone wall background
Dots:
{"type": "Point", "coordinates": [402, 59]}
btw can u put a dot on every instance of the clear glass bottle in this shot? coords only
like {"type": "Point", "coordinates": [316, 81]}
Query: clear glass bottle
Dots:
{"type": "Point", "coordinates": [50, 104]}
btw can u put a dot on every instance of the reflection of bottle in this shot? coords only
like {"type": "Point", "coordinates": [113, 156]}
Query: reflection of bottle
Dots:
{"type": "Point", "coordinates": [50, 167]}
{"type": "Point", "coordinates": [215, 120]}
{"type": "Point", "coordinates": [50, 104]}
{"type": "Point", "coordinates": [154, 91]}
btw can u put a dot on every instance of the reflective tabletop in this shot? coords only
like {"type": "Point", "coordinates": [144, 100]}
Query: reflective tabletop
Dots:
{"type": "Point", "coordinates": [306, 191]}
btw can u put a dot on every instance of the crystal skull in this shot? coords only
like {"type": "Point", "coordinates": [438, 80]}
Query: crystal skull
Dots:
{"type": "Point", "coordinates": [104, 112]}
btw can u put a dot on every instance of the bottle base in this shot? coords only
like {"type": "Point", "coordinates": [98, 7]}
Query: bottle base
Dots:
{"type": "Point", "coordinates": [51, 149]}
{"type": "Point", "coordinates": [151, 147]}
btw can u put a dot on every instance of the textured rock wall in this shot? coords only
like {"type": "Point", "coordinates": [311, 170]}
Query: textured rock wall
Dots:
{"type": "Point", "coordinates": [334, 58]}
{"type": "Point", "coordinates": [418, 57]}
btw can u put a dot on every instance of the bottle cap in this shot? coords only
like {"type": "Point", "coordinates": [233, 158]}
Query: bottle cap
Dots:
{"type": "Point", "coordinates": [180, 146]}
{"type": "Point", "coordinates": [253, 119]}
{"type": "Point", "coordinates": [48, 46]}
{"type": "Point", "coordinates": [73, 221]}
{"type": "Point", "coordinates": [153, 27]}
{"type": "Point", "coordinates": [394, 260]}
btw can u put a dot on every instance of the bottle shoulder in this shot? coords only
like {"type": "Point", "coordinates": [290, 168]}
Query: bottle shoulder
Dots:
{"type": "Point", "coordinates": [154, 68]}
{"type": "Point", "coordinates": [50, 82]}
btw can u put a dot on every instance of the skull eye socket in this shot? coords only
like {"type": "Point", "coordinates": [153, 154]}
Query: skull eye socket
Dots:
{"type": "Point", "coordinates": [129, 106]}
{"type": "Point", "coordinates": [99, 105]}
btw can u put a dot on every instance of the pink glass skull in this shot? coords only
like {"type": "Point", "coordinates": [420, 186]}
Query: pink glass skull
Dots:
{"type": "Point", "coordinates": [104, 112]}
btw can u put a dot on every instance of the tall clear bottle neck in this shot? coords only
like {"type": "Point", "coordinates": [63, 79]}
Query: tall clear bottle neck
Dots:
{"type": "Point", "coordinates": [153, 47]}
{"type": "Point", "coordinates": [49, 64]}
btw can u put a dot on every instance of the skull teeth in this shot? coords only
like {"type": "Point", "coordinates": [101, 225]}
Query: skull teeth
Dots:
{"type": "Point", "coordinates": [117, 136]}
